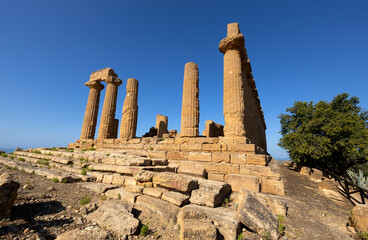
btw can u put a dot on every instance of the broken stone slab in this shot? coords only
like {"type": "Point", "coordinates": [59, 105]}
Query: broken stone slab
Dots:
{"type": "Point", "coordinates": [157, 209]}
{"type": "Point", "coordinates": [276, 204]}
{"type": "Point", "coordinates": [154, 192]}
{"type": "Point", "coordinates": [87, 233]}
{"type": "Point", "coordinates": [194, 229]}
{"type": "Point", "coordinates": [115, 217]}
{"type": "Point", "coordinates": [98, 188]}
{"type": "Point", "coordinates": [223, 219]}
{"type": "Point", "coordinates": [8, 194]}
{"type": "Point", "coordinates": [134, 188]}
{"type": "Point", "coordinates": [175, 181]}
{"type": "Point", "coordinates": [192, 169]}
{"type": "Point", "coordinates": [122, 194]}
{"type": "Point", "coordinates": [175, 198]}
{"type": "Point", "coordinates": [254, 214]}
{"type": "Point", "coordinates": [143, 176]}
{"type": "Point", "coordinates": [210, 193]}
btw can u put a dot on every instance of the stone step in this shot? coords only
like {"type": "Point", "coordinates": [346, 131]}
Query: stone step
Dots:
{"type": "Point", "coordinates": [57, 159]}
{"type": "Point", "coordinates": [128, 170]}
{"type": "Point", "coordinates": [48, 173]}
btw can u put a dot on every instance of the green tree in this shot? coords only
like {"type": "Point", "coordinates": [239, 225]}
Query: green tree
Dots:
{"type": "Point", "coordinates": [331, 135]}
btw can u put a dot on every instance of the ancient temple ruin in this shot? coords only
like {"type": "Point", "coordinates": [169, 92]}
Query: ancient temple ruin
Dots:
{"type": "Point", "coordinates": [235, 153]}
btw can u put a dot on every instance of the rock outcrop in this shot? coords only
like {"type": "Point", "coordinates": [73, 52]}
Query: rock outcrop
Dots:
{"type": "Point", "coordinates": [8, 194]}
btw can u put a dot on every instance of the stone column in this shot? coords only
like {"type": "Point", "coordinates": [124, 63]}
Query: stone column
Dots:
{"type": "Point", "coordinates": [234, 109]}
{"type": "Point", "coordinates": [190, 102]}
{"type": "Point", "coordinates": [161, 125]}
{"type": "Point", "coordinates": [108, 111]}
{"type": "Point", "coordinates": [128, 124]}
{"type": "Point", "coordinates": [90, 116]}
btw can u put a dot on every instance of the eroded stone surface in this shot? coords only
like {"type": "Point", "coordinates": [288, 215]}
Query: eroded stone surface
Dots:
{"type": "Point", "coordinates": [8, 194]}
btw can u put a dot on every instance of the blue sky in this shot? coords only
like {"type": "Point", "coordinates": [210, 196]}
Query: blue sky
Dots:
{"type": "Point", "coordinates": [299, 50]}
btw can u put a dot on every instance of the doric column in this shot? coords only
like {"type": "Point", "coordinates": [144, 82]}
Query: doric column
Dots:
{"type": "Point", "coordinates": [190, 102]}
{"type": "Point", "coordinates": [106, 129]}
{"type": "Point", "coordinates": [234, 109]}
{"type": "Point", "coordinates": [128, 124]}
{"type": "Point", "coordinates": [90, 116]}
{"type": "Point", "coordinates": [161, 125]}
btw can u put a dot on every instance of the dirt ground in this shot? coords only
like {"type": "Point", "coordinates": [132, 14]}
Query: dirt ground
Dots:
{"type": "Point", "coordinates": [311, 215]}
{"type": "Point", "coordinates": [43, 209]}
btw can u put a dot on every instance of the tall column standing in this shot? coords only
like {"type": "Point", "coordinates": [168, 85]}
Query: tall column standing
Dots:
{"type": "Point", "coordinates": [234, 108]}
{"type": "Point", "coordinates": [90, 116]}
{"type": "Point", "coordinates": [128, 124]}
{"type": "Point", "coordinates": [190, 102]}
{"type": "Point", "coordinates": [108, 111]}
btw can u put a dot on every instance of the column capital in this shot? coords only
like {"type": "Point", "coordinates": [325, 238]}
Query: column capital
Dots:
{"type": "Point", "coordinates": [232, 42]}
{"type": "Point", "coordinates": [94, 84]}
{"type": "Point", "coordinates": [113, 80]}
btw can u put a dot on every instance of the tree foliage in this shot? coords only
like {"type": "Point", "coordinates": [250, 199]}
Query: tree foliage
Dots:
{"type": "Point", "coordinates": [330, 135]}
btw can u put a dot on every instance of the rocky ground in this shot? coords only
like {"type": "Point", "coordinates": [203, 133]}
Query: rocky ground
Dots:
{"type": "Point", "coordinates": [45, 209]}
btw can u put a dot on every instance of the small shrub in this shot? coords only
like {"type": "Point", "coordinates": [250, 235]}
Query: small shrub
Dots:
{"type": "Point", "coordinates": [50, 154]}
{"type": "Point", "coordinates": [151, 148]}
{"type": "Point", "coordinates": [85, 200]}
{"type": "Point", "coordinates": [21, 159]}
{"type": "Point", "coordinates": [54, 149]}
{"type": "Point", "coordinates": [36, 151]}
{"type": "Point", "coordinates": [84, 171]}
{"type": "Point", "coordinates": [4, 155]}
{"type": "Point", "coordinates": [15, 168]}
{"type": "Point", "coordinates": [64, 180]}
{"type": "Point", "coordinates": [107, 154]}
{"type": "Point", "coordinates": [7, 167]}
{"type": "Point", "coordinates": [236, 206]}
{"type": "Point", "coordinates": [119, 196]}
{"type": "Point", "coordinates": [49, 167]}
{"type": "Point", "coordinates": [144, 230]}
{"type": "Point", "coordinates": [363, 235]}
{"type": "Point", "coordinates": [103, 198]}
{"type": "Point", "coordinates": [44, 161]}
{"type": "Point", "coordinates": [55, 180]}
{"type": "Point", "coordinates": [266, 235]}
{"type": "Point", "coordinates": [281, 226]}
{"type": "Point", "coordinates": [225, 202]}
{"type": "Point", "coordinates": [28, 181]}
{"type": "Point", "coordinates": [88, 149]}
{"type": "Point", "coordinates": [69, 150]}
{"type": "Point", "coordinates": [240, 236]}
{"type": "Point", "coordinates": [12, 157]}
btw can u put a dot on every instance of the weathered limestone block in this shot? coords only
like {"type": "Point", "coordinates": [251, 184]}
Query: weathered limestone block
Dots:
{"type": "Point", "coordinates": [109, 108]}
{"type": "Point", "coordinates": [115, 217]}
{"type": "Point", "coordinates": [98, 188]}
{"type": "Point", "coordinates": [238, 182]}
{"type": "Point", "coordinates": [90, 116]}
{"type": "Point", "coordinates": [8, 194]}
{"type": "Point", "coordinates": [210, 193]}
{"type": "Point", "coordinates": [223, 219]}
{"type": "Point", "coordinates": [175, 198]}
{"type": "Point", "coordinates": [190, 102]}
{"type": "Point", "coordinates": [194, 229]}
{"type": "Point", "coordinates": [161, 125]}
{"type": "Point", "coordinates": [134, 188]}
{"type": "Point", "coordinates": [257, 159]}
{"type": "Point", "coordinates": [190, 147]}
{"type": "Point", "coordinates": [216, 177]}
{"type": "Point", "coordinates": [221, 157]}
{"type": "Point", "coordinates": [128, 125]}
{"type": "Point", "coordinates": [122, 194]}
{"type": "Point", "coordinates": [253, 213]}
{"type": "Point", "coordinates": [220, 168]}
{"type": "Point", "coordinates": [199, 156]}
{"type": "Point", "coordinates": [239, 158]}
{"type": "Point", "coordinates": [176, 155]}
{"type": "Point", "coordinates": [175, 181]}
{"type": "Point", "coordinates": [213, 129]}
{"type": "Point", "coordinates": [154, 192]}
{"type": "Point", "coordinates": [192, 169]}
{"type": "Point", "coordinates": [305, 171]}
{"type": "Point", "coordinates": [143, 176]}
{"type": "Point", "coordinates": [260, 171]}
{"type": "Point", "coordinates": [273, 186]}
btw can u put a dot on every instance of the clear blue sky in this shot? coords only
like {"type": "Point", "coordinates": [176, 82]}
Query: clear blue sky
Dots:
{"type": "Point", "coordinates": [299, 50]}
